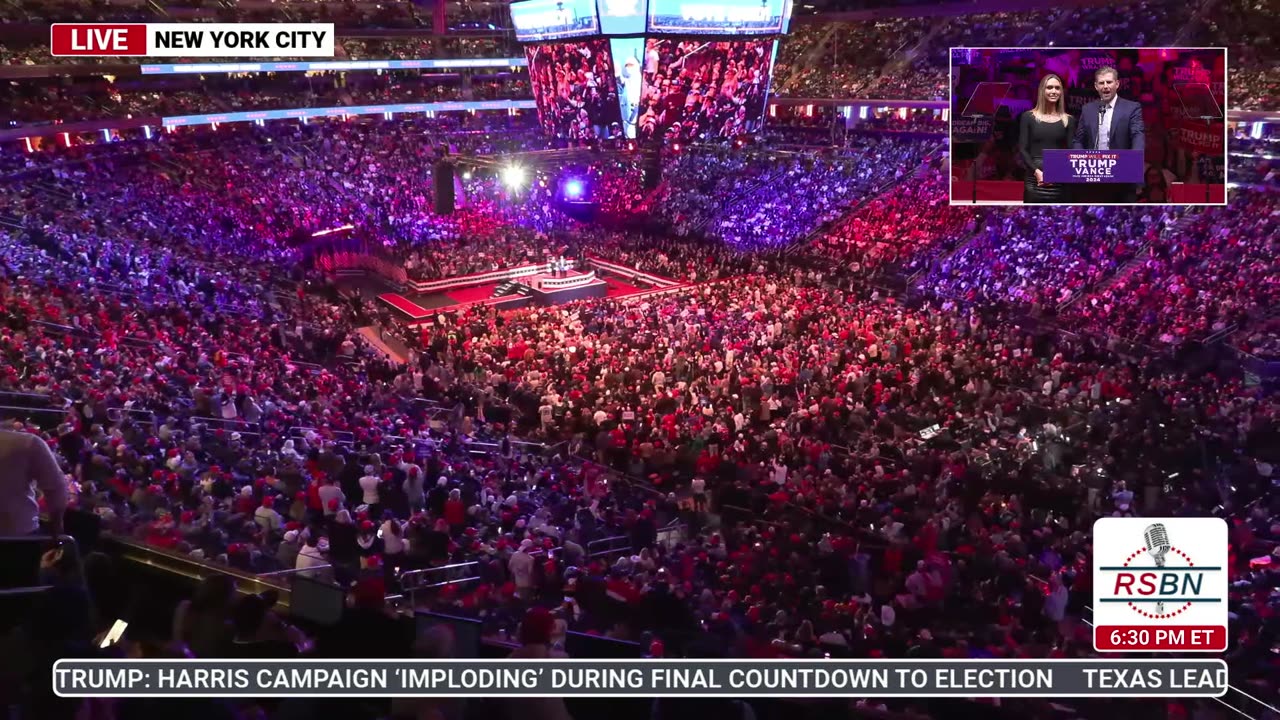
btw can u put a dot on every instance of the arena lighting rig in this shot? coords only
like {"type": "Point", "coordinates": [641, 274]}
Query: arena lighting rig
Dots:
{"type": "Point", "coordinates": [536, 160]}
{"type": "Point", "coordinates": [513, 176]}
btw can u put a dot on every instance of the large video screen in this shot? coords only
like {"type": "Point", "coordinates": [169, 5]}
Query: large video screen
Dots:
{"type": "Point", "coordinates": [621, 17]}
{"type": "Point", "coordinates": [539, 20]}
{"type": "Point", "coordinates": [719, 17]}
{"type": "Point", "coordinates": [694, 89]}
{"type": "Point", "coordinates": [575, 89]}
{"type": "Point", "coordinates": [628, 61]}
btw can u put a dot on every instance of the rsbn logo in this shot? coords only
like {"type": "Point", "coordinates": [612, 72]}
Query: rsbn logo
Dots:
{"type": "Point", "coordinates": [1165, 588]}
{"type": "Point", "coordinates": [1160, 583]}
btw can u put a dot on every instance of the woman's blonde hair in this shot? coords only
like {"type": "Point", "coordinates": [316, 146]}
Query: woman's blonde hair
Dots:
{"type": "Point", "coordinates": [1042, 104]}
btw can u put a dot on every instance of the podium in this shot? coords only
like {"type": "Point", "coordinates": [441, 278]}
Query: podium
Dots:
{"type": "Point", "coordinates": [1094, 166]}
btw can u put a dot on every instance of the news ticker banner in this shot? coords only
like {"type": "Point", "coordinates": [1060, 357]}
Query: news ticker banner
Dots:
{"type": "Point", "coordinates": [191, 39]}
{"type": "Point", "coordinates": [332, 66]}
{"type": "Point", "coordinates": [1093, 166]}
{"type": "Point", "coordinates": [344, 110]}
{"type": "Point", "coordinates": [640, 678]}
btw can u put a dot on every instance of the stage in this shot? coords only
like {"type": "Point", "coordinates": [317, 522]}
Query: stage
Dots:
{"type": "Point", "coordinates": [522, 286]}
{"type": "Point", "coordinates": [556, 288]}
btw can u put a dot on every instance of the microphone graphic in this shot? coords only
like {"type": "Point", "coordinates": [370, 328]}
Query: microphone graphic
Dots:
{"type": "Point", "coordinates": [1102, 116]}
{"type": "Point", "coordinates": [1157, 539]}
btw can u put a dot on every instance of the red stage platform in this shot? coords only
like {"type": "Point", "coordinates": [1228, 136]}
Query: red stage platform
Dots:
{"type": "Point", "coordinates": [422, 301]}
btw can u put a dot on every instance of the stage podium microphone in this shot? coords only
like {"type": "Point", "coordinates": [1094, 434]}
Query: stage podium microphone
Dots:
{"type": "Point", "coordinates": [1157, 539]}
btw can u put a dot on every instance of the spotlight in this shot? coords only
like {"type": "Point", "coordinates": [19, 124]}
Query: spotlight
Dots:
{"type": "Point", "coordinates": [466, 175]}
{"type": "Point", "coordinates": [513, 176]}
{"type": "Point", "coordinates": [573, 189]}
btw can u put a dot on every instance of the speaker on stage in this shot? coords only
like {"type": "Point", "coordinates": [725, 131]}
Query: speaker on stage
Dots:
{"type": "Point", "coordinates": [443, 187]}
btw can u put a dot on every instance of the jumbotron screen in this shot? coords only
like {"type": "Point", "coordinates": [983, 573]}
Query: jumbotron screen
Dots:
{"type": "Point", "coordinates": [719, 17]}
{"type": "Point", "coordinates": [541, 20]}
{"type": "Point", "coordinates": [575, 89]}
{"type": "Point", "coordinates": [696, 89]}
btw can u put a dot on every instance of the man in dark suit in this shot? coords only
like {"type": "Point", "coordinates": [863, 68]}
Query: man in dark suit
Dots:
{"type": "Point", "coordinates": [1110, 123]}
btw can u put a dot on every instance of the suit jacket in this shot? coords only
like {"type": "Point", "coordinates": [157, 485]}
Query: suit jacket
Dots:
{"type": "Point", "coordinates": [1126, 131]}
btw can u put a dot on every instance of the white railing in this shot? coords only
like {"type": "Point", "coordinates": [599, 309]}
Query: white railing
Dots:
{"type": "Point", "coordinates": [462, 281]}
{"type": "Point", "coordinates": [627, 272]}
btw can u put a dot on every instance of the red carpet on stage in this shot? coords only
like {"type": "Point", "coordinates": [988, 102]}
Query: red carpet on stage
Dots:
{"type": "Point", "coordinates": [475, 293]}
{"type": "Point", "coordinates": [402, 304]}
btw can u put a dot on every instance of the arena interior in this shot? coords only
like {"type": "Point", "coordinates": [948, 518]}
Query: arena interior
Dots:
{"type": "Point", "coordinates": [505, 357]}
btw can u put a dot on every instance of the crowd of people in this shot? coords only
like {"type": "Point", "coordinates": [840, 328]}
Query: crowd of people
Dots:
{"type": "Point", "coordinates": [905, 226]}
{"type": "Point", "coordinates": [701, 178]}
{"type": "Point", "coordinates": [850, 472]}
{"type": "Point", "coordinates": [100, 97]}
{"type": "Point", "coordinates": [344, 15]}
{"type": "Point", "coordinates": [796, 406]}
{"type": "Point", "coordinates": [696, 90]}
{"type": "Point", "coordinates": [427, 48]}
{"type": "Point", "coordinates": [576, 92]}
{"type": "Point", "coordinates": [476, 16]}
{"type": "Point", "coordinates": [803, 193]}
{"type": "Point", "coordinates": [884, 57]}
{"type": "Point", "coordinates": [1216, 272]}
{"type": "Point", "coordinates": [75, 11]}
{"type": "Point", "coordinates": [1263, 342]}
{"type": "Point", "coordinates": [347, 48]}
{"type": "Point", "coordinates": [1245, 28]}
{"type": "Point", "coordinates": [915, 121]}
{"type": "Point", "coordinates": [844, 60]}
{"type": "Point", "coordinates": [879, 58]}
{"type": "Point", "coordinates": [1044, 257]}
{"type": "Point", "coordinates": [765, 199]}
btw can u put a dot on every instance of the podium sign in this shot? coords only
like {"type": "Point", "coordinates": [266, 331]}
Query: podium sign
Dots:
{"type": "Point", "coordinates": [1094, 166]}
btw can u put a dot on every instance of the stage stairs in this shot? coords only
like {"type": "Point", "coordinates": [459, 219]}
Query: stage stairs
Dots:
{"type": "Point", "coordinates": [511, 287]}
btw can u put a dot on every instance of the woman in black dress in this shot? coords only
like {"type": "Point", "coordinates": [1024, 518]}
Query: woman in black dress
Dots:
{"type": "Point", "coordinates": [1047, 126]}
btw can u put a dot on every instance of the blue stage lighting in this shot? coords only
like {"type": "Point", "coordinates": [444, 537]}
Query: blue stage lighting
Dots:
{"type": "Point", "coordinates": [573, 189]}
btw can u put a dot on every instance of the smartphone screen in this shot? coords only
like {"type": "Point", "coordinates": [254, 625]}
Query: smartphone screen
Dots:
{"type": "Point", "coordinates": [114, 634]}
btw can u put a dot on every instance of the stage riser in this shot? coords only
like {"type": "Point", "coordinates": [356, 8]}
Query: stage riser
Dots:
{"type": "Point", "coordinates": [559, 297]}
